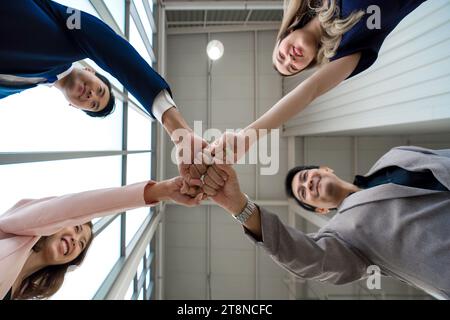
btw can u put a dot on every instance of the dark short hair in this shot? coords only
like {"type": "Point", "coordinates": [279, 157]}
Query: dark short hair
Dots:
{"type": "Point", "coordinates": [288, 186]}
{"type": "Point", "coordinates": [106, 111]}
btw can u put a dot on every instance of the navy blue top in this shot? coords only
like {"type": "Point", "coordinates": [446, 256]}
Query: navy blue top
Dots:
{"type": "Point", "coordinates": [368, 41]}
{"type": "Point", "coordinates": [397, 175]}
{"type": "Point", "coordinates": [36, 42]}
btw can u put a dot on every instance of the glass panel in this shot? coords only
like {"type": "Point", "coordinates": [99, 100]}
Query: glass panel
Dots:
{"type": "Point", "coordinates": [83, 5]}
{"type": "Point", "coordinates": [139, 131]}
{"type": "Point", "coordinates": [129, 293]}
{"type": "Point", "coordinates": [104, 252]}
{"type": "Point", "coordinates": [44, 179]}
{"type": "Point", "coordinates": [147, 279]}
{"type": "Point", "coordinates": [144, 19]}
{"type": "Point", "coordinates": [138, 44]}
{"type": "Point", "coordinates": [117, 9]}
{"type": "Point", "coordinates": [151, 2]}
{"type": "Point", "coordinates": [138, 169]}
{"type": "Point", "coordinates": [41, 119]}
{"type": "Point", "coordinates": [147, 252]}
{"type": "Point", "coordinates": [140, 268]}
{"type": "Point", "coordinates": [141, 295]}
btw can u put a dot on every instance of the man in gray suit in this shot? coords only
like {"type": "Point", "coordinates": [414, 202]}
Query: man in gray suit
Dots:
{"type": "Point", "coordinates": [396, 217]}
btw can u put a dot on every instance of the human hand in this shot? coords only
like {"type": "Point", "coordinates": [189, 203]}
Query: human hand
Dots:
{"type": "Point", "coordinates": [175, 189]}
{"type": "Point", "coordinates": [213, 180]}
{"type": "Point", "coordinates": [230, 147]}
{"type": "Point", "coordinates": [229, 196]}
{"type": "Point", "coordinates": [189, 148]}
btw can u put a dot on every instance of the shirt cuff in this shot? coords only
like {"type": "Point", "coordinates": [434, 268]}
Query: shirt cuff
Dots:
{"type": "Point", "coordinates": [161, 104]}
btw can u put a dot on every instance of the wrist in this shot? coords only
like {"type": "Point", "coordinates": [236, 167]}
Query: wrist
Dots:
{"type": "Point", "coordinates": [157, 192]}
{"type": "Point", "coordinates": [239, 205]}
{"type": "Point", "coordinates": [172, 120]}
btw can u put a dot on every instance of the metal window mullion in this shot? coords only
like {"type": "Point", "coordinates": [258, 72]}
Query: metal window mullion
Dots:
{"type": "Point", "coordinates": [141, 281]}
{"type": "Point", "coordinates": [27, 157]}
{"type": "Point", "coordinates": [123, 217]}
{"type": "Point", "coordinates": [149, 261]}
{"type": "Point", "coordinates": [135, 288]}
{"type": "Point", "coordinates": [142, 32]}
{"type": "Point", "coordinates": [149, 291]}
{"type": "Point", "coordinates": [105, 15]}
{"type": "Point", "coordinates": [104, 222]}
{"type": "Point", "coordinates": [122, 280]}
{"type": "Point", "coordinates": [150, 17]}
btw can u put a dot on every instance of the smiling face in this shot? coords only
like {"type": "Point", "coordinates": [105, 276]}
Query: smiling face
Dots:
{"type": "Point", "coordinates": [320, 188]}
{"type": "Point", "coordinates": [295, 52]}
{"type": "Point", "coordinates": [84, 90]}
{"type": "Point", "coordinates": [67, 244]}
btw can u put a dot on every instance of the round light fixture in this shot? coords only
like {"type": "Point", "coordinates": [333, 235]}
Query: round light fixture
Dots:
{"type": "Point", "coordinates": [214, 49]}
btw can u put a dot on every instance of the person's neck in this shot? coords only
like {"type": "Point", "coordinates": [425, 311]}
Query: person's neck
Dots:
{"type": "Point", "coordinates": [62, 83]}
{"type": "Point", "coordinates": [314, 28]}
{"type": "Point", "coordinates": [34, 263]}
{"type": "Point", "coordinates": [347, 189]}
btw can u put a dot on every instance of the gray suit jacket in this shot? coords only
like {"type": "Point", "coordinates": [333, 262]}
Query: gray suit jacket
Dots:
{"type": "Point", "coordinates": [404, 231]}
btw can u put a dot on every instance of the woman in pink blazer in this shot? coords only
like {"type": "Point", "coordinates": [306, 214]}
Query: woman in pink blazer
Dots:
{"type": "Point", "coordinates": [40, 239]}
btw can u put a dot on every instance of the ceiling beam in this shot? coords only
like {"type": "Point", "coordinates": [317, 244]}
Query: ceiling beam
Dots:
{"type": "Point", "coordinates": [226, 28]}
{"type": "Point", "coordinates": [222, 5]}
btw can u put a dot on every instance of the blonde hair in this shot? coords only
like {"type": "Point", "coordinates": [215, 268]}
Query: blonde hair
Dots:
{"type": "Point", "coordinates": [333, 28]}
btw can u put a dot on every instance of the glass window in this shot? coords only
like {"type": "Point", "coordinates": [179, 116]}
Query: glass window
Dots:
{"type": "Point", "coordinates": [84, 281]}
{"type": "Point", "coordinates": [144, 19]}
{"type": "Point", "coordinates": [147, 279]}
{"type": "Point", "coordinates": [117, 9]}
{"type": "Point", "coordinates": [140, 268]}
{"type": "Point", "coordinates": [41, 119]}
{"type": "Point", "coordinates": [52, 178]}
{"type": "Point", "coordinates": [137, 43]}
{"type": "Point", "coordinates": [151, 3]}
{"type": "Point", "coordinates": [139, 131]}
{"type": "Point", "coordinates": [147, 252]}
{"type": "Point", "coordinates": [138, 169]}
{"type": "Point", "coordinates": [129, 293]}
{"type": "Point", "coordinates": [83, 5]}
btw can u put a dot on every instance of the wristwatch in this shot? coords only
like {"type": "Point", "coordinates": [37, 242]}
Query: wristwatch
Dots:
{"type": "Point", "coordinates": [250, 208]}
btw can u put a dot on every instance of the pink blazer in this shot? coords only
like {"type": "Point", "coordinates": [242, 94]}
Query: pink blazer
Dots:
{"type": "Point", "coordinates": [23, 225]}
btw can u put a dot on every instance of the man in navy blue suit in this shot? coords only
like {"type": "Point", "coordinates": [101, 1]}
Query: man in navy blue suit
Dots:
{"type": "Point", "coordinates": [39, 46]}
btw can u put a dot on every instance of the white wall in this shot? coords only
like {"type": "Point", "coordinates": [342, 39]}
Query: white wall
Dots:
{"type": "Point", "coordinates": [406, 90]}
{"type": "Point", "coordinates": [242, 88]}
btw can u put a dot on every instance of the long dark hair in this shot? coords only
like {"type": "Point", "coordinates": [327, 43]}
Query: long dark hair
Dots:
{"type": "Point", "coordinates": [46, 282]}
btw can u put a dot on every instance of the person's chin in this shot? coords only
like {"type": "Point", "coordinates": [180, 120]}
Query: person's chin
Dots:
{"type": "Point", "coordinates": [327, 188]}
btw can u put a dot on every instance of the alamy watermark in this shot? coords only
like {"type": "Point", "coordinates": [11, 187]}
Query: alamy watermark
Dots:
{"type": "Point", "coordinates": [374, 280]}
{"type": "Point", "coordinates": [74, 20]}
{"type": "Point", "coordinates": [264, 151]}
{"type": "Point", "coordinates": [374, 20]}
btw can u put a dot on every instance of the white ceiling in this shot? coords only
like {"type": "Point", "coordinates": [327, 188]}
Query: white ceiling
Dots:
{"type": "Point", "coordinates": [203, 13]}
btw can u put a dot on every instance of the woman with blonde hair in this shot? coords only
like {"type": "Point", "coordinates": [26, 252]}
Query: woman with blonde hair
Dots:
{"type": "Point", "coordinates": [40, 239]}
{"type": "Point", "coordinates": [341, 38]}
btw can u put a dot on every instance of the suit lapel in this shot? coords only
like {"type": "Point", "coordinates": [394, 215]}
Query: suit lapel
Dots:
{"type": "Point", "coordinates": [382, 192]}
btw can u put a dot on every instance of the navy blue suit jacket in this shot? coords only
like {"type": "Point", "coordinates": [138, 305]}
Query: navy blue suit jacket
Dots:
{"type": "Point", "coordinates": [36, 42]}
